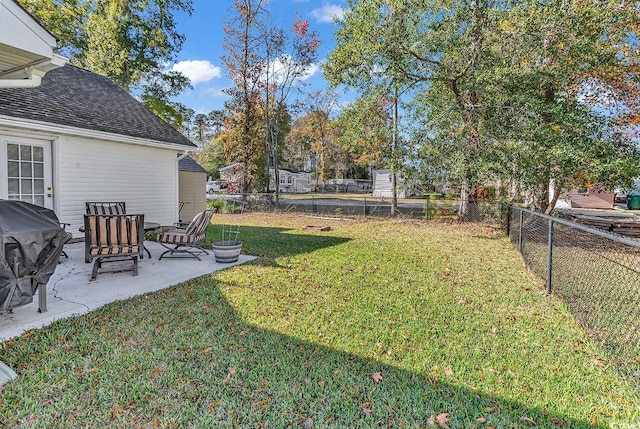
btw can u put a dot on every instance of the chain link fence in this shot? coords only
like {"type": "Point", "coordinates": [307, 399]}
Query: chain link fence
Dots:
{"type": "Point", "coordinates": [331, 205]}
{"type": "Point", "coordinates": [596, 273]}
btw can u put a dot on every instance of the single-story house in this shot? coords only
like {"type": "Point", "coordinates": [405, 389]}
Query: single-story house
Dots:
{"type": "Point", "coordinates": [382, 185]}
{"type": "Point", "coordinates": [290, 181]}
{"type": "Point", "coordinates": [192, 180]}
{"type": "Point", "coordinates": [232, 173]}
{"type": "Point", "coordinates": [68, 135]}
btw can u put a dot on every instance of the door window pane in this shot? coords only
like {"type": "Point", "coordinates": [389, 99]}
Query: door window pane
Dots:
{"type": "Point", "coordinates": [38, 170]}
{"type": "Point", "coordinates": [25, 153]}
{"type": "Point", "coordinates": [25, 186]}
{"type": "Point", "coordinates": [14, 168]}
{"type": "Point", "coordinates": [12, 151]}
{"type": "Point", "coordinates": [38, 154]}
{"type": "Point", "coordinates": [38, 200]}
{"type": "Point", "coordinates": [25, 169]}
{"type": "Point", "coordinates": [14, 187]}
{"type": "Point", "coordinates": [38, 186]}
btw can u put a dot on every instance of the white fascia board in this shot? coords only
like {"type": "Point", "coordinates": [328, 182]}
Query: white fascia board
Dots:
{"type": "Point", "coordinates": [24, 32]}
{"type": "Point", "coordinates": [55, 129]}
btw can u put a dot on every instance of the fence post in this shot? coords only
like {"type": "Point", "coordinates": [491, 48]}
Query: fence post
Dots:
{"type": "Point", "coordinates": [549, 255]}
{"type": "Point", "coordinates": [364, 210]}
{"type": "Point", "coordinates": [520, 232]}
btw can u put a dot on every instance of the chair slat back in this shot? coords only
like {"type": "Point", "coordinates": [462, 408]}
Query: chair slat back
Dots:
{"type": "Point", "coordinates": [106, 208]}
{"type": "Point", "coordinates": [113, 234]}
{"type": "Point", "coordinates": [199, 223]}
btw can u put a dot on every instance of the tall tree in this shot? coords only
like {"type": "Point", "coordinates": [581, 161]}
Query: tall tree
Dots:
{"type": "Point", "coordinates": [546, 75]}
{"type": "Point", "coordinates": [368, 58]}
{"type": "Point", "coordinates": [244, 67]}
{"type": "Point", "coordinates": [287, 59]}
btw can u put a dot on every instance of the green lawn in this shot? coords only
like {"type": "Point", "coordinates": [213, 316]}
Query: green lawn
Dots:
{"type": "Point", "coordinates": [372, 324]}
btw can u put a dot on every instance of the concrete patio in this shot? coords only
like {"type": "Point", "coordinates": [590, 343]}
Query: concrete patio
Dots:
{"type": "Point", "coordinates": [71, 293]}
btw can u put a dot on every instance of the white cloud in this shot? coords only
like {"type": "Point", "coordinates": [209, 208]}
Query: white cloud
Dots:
{"type": "Point", "coordinates": [280, 67]}
{"type": "Point", "coordinates": [327, 13]}
{"type": "Point", "coordinates": [198, 71]}
{"type": "Point", "coordinates": [313, 69]}
{"type": "Point", "coordinates": [215, 92]}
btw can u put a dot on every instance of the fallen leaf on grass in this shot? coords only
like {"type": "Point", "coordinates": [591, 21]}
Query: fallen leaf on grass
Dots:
{"type": "Point", "coordinates": [528, 420]}
{"type": "Point", "coordinates": [441, 420]}
{"type": "Point", "coordinates": [481, 420]}
{"type": "Point", "coordinates": [448, 372]}
{"type": "Point", "coordinates": [212, 406]}
{"type": "Point", "coordinates": [206, 351]}
{"type": "Point", "coordinates": [377, 377]}
{"type": "Point", "coordinates": [133, 341]}
{"type": "Point", "coordinates": [232, 372]}
{"type": "Point", "coordinates": [599, 362]}
{"type": "Point", "coordinates": [367, 408]}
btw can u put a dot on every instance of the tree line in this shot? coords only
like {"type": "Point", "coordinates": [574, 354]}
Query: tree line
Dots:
{"type": "Point", "coordinates": [525, 94]}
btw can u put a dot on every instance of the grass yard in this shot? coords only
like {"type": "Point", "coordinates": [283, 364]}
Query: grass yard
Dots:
{"type": "Point", "coordinates": [377, 323]}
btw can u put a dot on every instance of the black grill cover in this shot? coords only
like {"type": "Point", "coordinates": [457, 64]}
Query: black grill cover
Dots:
{"type": "Point", "coordinates": [31, 241]}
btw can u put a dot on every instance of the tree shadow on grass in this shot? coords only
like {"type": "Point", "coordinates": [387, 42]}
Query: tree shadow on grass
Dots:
{"type": "Point", "coordinates": [183, 357]}
{"type": "Point", "coordinates": [271, 243]}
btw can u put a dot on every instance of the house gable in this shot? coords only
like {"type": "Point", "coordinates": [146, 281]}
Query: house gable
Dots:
{"type": "Point", "coordinates": [72, 97]}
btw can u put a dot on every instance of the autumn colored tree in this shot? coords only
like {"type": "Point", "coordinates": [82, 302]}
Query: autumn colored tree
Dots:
{"type": "Point", "coordinates": [244, 66]}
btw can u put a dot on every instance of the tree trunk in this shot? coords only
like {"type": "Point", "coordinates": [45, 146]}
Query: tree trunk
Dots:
{"type": "Point", "coordinates": [394, 161]}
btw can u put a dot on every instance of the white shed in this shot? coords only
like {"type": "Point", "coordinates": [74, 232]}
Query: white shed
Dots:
{"type": "Point", "coordinates": [382, 185]}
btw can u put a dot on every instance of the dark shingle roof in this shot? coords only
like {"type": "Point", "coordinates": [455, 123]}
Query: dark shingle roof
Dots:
{"type": "Point", "coordinates": [189, 164]}
{"type": "Point", "coordinates": [76, 97]}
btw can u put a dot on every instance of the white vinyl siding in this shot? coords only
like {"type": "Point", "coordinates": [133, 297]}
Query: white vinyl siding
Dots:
{"type": "Point", "coordinates": [144, 177]}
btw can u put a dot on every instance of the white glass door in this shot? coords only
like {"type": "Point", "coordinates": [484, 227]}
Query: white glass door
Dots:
{"type": "Point", "coordinates": [25, 170]}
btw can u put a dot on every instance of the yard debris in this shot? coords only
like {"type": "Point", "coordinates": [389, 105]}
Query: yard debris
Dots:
{"type": "Point", "coordinates": [317, 228]}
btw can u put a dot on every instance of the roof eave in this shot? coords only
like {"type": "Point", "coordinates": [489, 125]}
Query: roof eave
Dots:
{"type": "Point", "coordinates": [55, 129]}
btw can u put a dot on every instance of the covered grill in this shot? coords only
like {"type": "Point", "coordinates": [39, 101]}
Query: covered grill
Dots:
{"type": "Point", "coordinates": [31, 241]}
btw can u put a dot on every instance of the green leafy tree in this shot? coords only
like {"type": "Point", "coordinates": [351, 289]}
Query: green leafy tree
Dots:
{"type": "Point", "coordinates": [365, 130]}
{"type": "Point", "coordinates": [368, 58]}
{"type": "Point", "coordinates": [129, 41]}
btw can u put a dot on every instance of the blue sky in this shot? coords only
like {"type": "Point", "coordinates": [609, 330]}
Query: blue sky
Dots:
{"type": "Point", "coordinates": [200, 56]}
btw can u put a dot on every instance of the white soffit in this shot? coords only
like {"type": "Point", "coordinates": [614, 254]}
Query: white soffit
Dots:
{"type": "Point", "coordinates": [26, 48]}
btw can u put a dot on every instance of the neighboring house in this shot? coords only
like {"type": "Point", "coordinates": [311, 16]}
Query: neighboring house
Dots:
{"type": "Point", "coordinates": [192, 189]}
{"type": "Point", "coordinates": [232, 173]}
{"type": "Point", "coordinates": [382, 185]}
{"type": "Point", "coordinates": [290, 181]}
